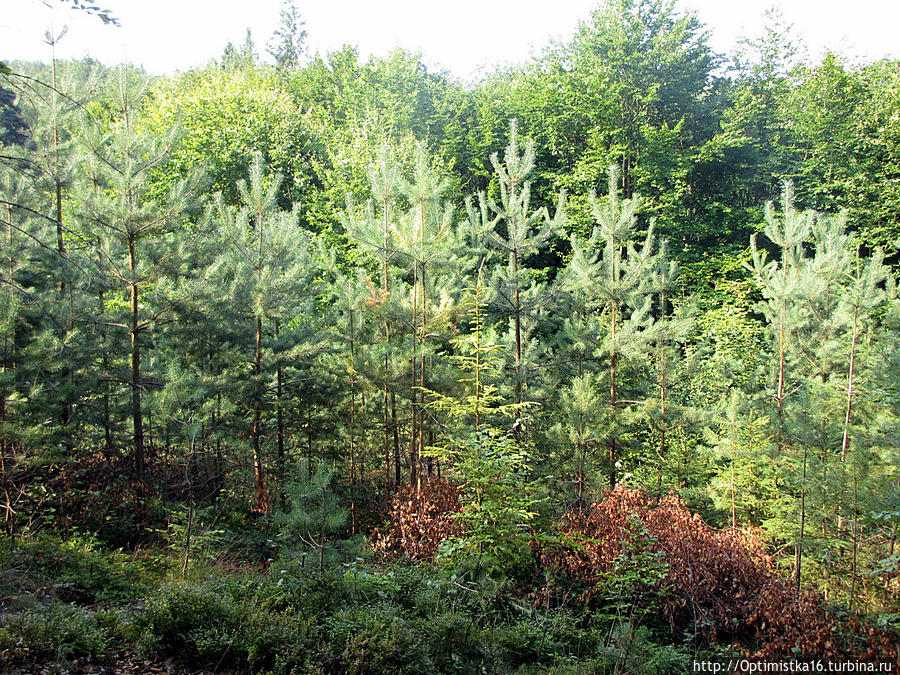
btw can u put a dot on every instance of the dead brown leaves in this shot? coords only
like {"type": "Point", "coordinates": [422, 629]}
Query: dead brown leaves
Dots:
{"type": "Point", "coordinates": [419, 521]}
{"type": "Point", "coordinates": [720, 582]}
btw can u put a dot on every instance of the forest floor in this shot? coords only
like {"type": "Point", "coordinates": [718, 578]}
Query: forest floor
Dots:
{"type": "Point", "coordinates": [648, 588]}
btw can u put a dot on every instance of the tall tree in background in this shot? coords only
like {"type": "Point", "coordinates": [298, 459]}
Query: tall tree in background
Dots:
{"type": "Point", "coordinates": [633, 87]}
{"type": "Point", "coordinates": [243, 59]}
{"type": "Point", "coordinates": [286, 43]}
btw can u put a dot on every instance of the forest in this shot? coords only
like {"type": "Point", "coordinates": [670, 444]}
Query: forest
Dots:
{"type": "Point", "coordinates": [341, 364]}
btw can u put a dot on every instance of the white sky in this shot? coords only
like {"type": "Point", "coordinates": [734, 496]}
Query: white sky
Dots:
{"type": "Point", "coordinates": [463, 37]}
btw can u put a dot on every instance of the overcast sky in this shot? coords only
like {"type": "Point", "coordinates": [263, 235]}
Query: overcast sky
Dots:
{"type": "Point", "coordinates": [463, 37]}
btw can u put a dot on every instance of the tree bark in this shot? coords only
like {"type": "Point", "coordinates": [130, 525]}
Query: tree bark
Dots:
{"type": "Point", "coordinates": [279, 412]}
{"type": "Point", "coordinates": [136, 383]}
{"type": "Point", "coordinates": [262, 501]}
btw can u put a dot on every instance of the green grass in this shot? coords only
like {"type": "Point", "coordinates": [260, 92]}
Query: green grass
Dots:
{"type": "Point", "coordinates": [73, 602]}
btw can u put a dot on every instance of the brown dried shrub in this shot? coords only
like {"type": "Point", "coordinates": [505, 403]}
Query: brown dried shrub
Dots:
{"type": "Point", "coordinates": [718, 582]}
{"type": "Point", "coordinates": [419, 521]}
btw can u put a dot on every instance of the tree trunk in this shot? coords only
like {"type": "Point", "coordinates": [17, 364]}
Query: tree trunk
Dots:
{"type": "Point", "coordinates": [414, 362]}
{"type": "Point", "coordinates": [422, 375]}
{"type": "Point", "coordinates": [799, 561]}
{"type": "Point", "coordinates": [396, 428]}
{"type": "Point", "coordinates": [517, 316]}
{"type": "Point", "coordinates": [733, 501]}
{"type": "Point", "coordinates": [107, 424]}
{"type": "Point", "coordinates": [387, 341]}
{"type": "Point", "coordinates": [612, 405]}
{"type": "Point", "coordinates": [845, 438]}
{"type": "Point", "coordinates": [352, 402]}
{"type": "Point", "coordinates": [65, 416]}
{"type": "Point", "coordinates": [279, 412]}
{"type": "Point", "coordinates": [262, 501]}
{"type": "Point", "coordinates": [136, 384]}
{"type": "Point", "coordinates": [4, 480]}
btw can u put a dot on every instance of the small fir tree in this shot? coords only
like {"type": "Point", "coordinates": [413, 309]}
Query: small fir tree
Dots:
{"type": "Point", "coordinates": [286, 43]}
{"type": "Point", "coordinates": [511, 226]}
{"type": "Point", "coordinates": [613, 277]}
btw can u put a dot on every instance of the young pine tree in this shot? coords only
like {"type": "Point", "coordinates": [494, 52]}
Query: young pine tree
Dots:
{"type": "Point", "coordinates": [130, 224]}
{"type": "Point", "coordinates": [787, 317]}
{"type": "Point", "coordinates": [613, 278]}
{"type": "Point", "coordinates": [267, 267]}
{"type": "Point", "coordinates": [510, 226]}
{"type": "Point", "coordinates": [373, 228]}
{"type": "Point", "coordinates": [425, 236]}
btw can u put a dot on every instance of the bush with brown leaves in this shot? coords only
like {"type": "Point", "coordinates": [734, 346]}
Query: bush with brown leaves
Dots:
{"type": "Point", "coordinates": [719, 583]}
{"type": "Point", "coordinates": [419, 521]}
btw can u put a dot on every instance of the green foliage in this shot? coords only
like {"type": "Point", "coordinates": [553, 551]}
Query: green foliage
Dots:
{"type": "Point", "coordinates": [515, 229]}
{"type": "Point", "coordinates": [314, 514]}
{"type": "Point", "coordinates": [192, 534]}
{"type": "Point", "coordinates": [491, 464]}
{"type": "Point", "coordinates": [286, 44]}
{"type": "Point", "coordinates": [225, 118]}
{"type": "Point", "coordinates": [498, 500]}
{"type": "Point", "coordinates": [56, 633]}
{"type": "Point", "coordinates": [78, 570]}
{"type": "Point", "coordinates": [365, 619]}
{"type": "Point", "coordinates": [204, 624]}
{"type": "Point", "coordinates": [170, 348]}
{"type": "Point", "coordinates": [632, 648]}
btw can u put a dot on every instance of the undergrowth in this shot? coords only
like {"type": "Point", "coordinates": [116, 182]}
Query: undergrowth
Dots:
{"type": "Point", "coordinates": [627, 586]}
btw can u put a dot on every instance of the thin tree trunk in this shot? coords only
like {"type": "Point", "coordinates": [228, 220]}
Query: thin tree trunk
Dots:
{"type": "Point", "coordinates": [352, 426]}
{"type": "Point", "coordinates": [854, 527]}
{"type": "Point", "coordinates": [845, 436]}
{"type": "Point", "coordinates": [386, 424]}
{"type": "Point", "coordinates": [279, 412]}
{"type": "Point", "coordinates": [107, 425]}
{"type": "Point", "coordinates": [387, 339]}
{"type": "Point", "coordinates": [799, 561]}
{"type": "Point", "coordinates": [187, 539]}
{"type": "Point", "coordinates": [68, 375]}
{"type": "Point", "coordinates": [612, 403]}
{"type": "Point", "coordinates": [733, 457]}
{"type": "Point", "coordinates": [309, 441]}
{"type": "Point", "coordinates": [8, 520]}
{"type": "Point", "coordinates": [845, 439]}
{"type": "Point", "coordinates": [65, 416]}
{"type": "Point", "coordinates": [517, 309]}
{"type": "Point", "coordinates": [414, 361]}
{"type": "Point", "coordinates": [262, 501]}
{"type": "Point", "coordinates": [614, 308]}
{"type": "Point", "coordinates": [352, 403]}
{"type": "Point", "coordinates": [396, 429]}
{"type": "Point", "coordinates": [779, 396]}
{"type": "Point", "coordinates": [218, 417]}
{"type": "Point", "coordinates": [662, 397]}
{"type": "Point", "coordinates": [136, 383]}
{"type": "Point", "coordinates": [581, 444]}
{"type": "Point", "coordinates": [422, 372]}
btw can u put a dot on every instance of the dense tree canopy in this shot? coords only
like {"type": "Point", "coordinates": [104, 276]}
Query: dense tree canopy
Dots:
{"type": "Point", "coordinates": [274, 300]}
